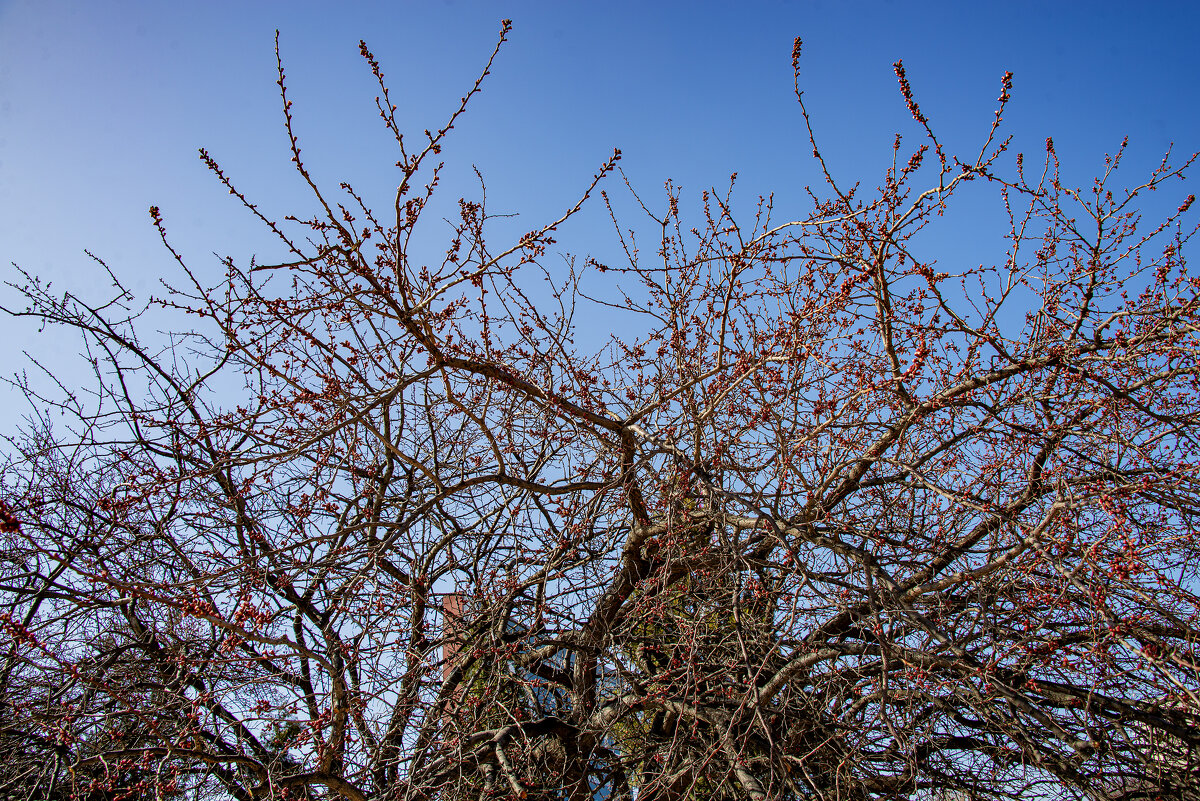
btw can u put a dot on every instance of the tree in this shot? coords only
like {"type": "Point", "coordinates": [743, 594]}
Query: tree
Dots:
{"type": "Point", "coordinates": [825, 519]}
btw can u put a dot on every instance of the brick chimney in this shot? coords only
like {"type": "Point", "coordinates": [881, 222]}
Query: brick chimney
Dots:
{"type": "Point", "coordinates": [452, 625]}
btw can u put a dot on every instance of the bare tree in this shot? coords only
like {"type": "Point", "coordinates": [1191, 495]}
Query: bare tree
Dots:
{"type": "Point", "coordinates": [825, 519]}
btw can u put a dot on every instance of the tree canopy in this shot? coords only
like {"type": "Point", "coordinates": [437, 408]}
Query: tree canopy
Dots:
{"type": "Point", "coordinates": [825, 517]}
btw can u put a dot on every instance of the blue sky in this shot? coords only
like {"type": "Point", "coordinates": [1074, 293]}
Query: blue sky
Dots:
{"type": "Point", "coordinates": [104, 103]}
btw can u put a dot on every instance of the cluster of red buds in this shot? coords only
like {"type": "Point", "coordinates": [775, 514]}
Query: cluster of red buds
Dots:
{"type": "Point", "coordinates": [9, 524]}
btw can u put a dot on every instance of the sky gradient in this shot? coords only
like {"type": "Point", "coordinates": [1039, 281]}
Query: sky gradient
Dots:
{"type": "Point", "coordinates": [104, 104]}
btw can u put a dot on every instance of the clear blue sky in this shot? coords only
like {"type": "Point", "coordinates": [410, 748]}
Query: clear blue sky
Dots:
{"type": "Point", "coordinates": [104, 103]}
